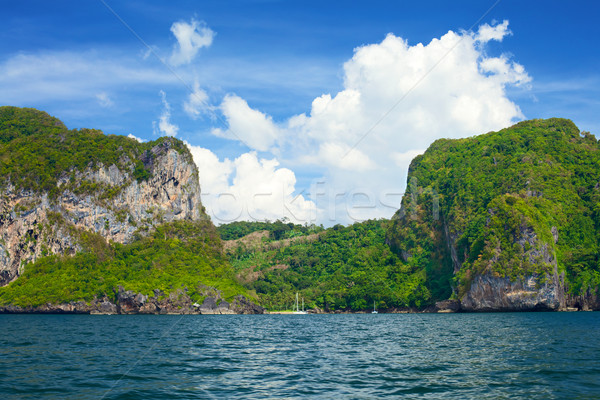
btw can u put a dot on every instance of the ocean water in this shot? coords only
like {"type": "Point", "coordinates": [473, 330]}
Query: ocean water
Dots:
{"type": "Point", "coordinates": [431, 356]}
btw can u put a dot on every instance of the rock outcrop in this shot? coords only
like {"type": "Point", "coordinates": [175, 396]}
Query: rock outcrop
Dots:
{"type": "Point", "coordinates": [534, 292]}
{"type": "Point", "coordinates": [489, 293]}
{"type": "Point", "coordinates": [241, 305]}
{"type": "Point", "coordinates": [446, 306]}
{"type": "Point", "coordinates": [34, 224]}
{"type": "Point", "coordinates": [129, 302]}
{"type": "Point", "coordinates": [506, 221]}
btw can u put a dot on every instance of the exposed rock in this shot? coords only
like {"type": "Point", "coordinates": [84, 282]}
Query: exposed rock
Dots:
{"type": "Point", "coordinates": [489, 293]}
{"type": "Point", "coordinates": [587, 301]}
{"type": "Point", "coordinates": [242, 305]}
{"type": "Point", "coordinates": [105, 307]}
{"type": "Point", "coordinates": [492, 293]}
{"type": "Point", "coordinates": [224, 308]}
{"type": "Point", "coordinates": [129, 302]}
{"type": "Point", "coordinates": [447, 306]}
{"type": "Point", "coordinates": [209, 306]}
{"type": "Point", "coordinates": [554, 232]}
{"type": "Point", "coordinates": [451, 239]}
{"type": "Point", "coordinates": [33, 225]}
{"type": "Point", "coordinates": [148, 308]}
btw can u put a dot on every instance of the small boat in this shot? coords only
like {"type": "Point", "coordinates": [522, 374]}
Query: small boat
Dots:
{"type": "Point", "coordinates": [298, 311]}
{"type": "Point", "coordinates": [374, 309]}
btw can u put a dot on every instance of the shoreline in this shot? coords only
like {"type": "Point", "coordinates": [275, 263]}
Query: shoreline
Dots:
{"type": "Point", "coordinates": [57, 311]}
{"type": "Point", "coordinates": [130, 303]}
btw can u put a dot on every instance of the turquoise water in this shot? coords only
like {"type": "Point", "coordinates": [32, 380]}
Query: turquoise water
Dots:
{"type": "Point", "coordinates": [478, 356]}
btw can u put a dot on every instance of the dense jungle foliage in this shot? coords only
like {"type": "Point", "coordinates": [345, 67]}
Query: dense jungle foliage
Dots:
{"type": "Point", "coordinates": [36, 150]}
{"type": "Point", "coordinates": [277, 229]}
{"type": "Point", "coordinates": [340, 268]}
{"type": "Point", "coordinates": [176, 255]}
{"type": "Point", "coordinates": [521, 201]}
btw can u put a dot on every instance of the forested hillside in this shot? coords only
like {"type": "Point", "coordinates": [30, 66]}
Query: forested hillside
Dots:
{"type": "Point", "coordinates": [88, 218]}
{"type": "Point", "coordinates": [340, 268]}
{"type": "Point", "coordinates": [518, 205]}
{"type": "Point", "coordinates": [182, 256]}
{"type": "Point", "coordinates": [508, 220]}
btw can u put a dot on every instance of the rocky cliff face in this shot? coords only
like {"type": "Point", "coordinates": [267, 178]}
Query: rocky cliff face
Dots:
{"type": "Point", "coordinates": [129, 302]}
{"type": "Point", "coordinates": [533, 293]}
{"type": "Point", "coordinates": [528, 291]}
{"type": "Point", "coordinates": [507, 221]}
{"type": "Point", "coordinates": [101, 199]}
{"type": "Point", "coordinates": [489, 293]}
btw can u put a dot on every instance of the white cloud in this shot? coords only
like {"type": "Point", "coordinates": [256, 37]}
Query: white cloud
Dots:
{"type": "Point", "coordinates": [397, 99]}
{"type": "Point", "coordinates": [496, 32]}
{"type": "Point", "coordinates": [131, 136]}
{"type": "Point", "coordinates": [104, 100]}
{"type": "Point", "coordinates": [197, 102]}
{"type": "Point", "coordinates": [342, 156]}
{"type": "Point", "coordinates": [252, 127]}
{"type": "Point", "coordinates": [164, 125]}
{"type": "Point", "coordinates": [249, 188]}
{"type": "Point", "coordinates": [49, 77]}
{"type": "Point", "coordinates": [191, 37]}
{"type": "Point", "coordinates": [504, 71]}
{"type": "Point", "coordinates": [403, 159]}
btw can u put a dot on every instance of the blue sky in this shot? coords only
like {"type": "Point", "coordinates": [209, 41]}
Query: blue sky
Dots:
{"type": "Point", "coordinates": [259, 72]}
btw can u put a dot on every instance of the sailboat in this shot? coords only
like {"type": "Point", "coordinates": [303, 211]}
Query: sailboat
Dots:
{"type": "Point", "coordinates": [374, 309]}
{"type": "Point", "coordinates": [298, 311]}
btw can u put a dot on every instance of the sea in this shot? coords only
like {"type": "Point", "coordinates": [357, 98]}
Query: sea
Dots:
{"type": "Point", "coordinates": [348, 356]}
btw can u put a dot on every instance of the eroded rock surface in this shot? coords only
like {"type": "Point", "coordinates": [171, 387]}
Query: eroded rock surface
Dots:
{"type": "Point", "coordinates": [34, 225]}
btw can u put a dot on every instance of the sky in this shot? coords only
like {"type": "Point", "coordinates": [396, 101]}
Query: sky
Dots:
{"type": "Point", "coordinates": [304, 110]}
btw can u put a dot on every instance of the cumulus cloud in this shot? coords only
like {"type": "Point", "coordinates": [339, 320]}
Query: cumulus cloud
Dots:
{"type": "Point", "coordinates": [131, 136]}
{"type": "Point", "coordinates": [164, 125]}
{"type": "Point", "coordinates": [497, 32]}
{"type": "Point", "coordinates": [506, 72]}
{"type": "Point", "coordinates": [191, 37]}
{"type": "Point", "coordinates": [250, 126]}
{"type": "Point", "coordinates": [397, 99]}
{"type": "Point", "coordinates": [197, 102]}
{"type": "Point", "coordinates": [249, 188]}
{"type": "Point", "coordinates": [340, 156]}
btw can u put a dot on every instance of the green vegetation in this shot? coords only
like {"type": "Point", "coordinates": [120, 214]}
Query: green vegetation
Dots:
{"type": "Point", "coordinates": [519, 202]}
{"type": "Point", "coordinates": [277, 230]}
{"type": "Point", "coordinates": [176, 255]}
{"type": "Point", "coordinates": [36, 150]}
{"type": "Point", "coordinates": [341, 268]}
{"type": "Point", "coordinates": [503, 197]}
{"type": "Point", "coordinates": [22, 122]}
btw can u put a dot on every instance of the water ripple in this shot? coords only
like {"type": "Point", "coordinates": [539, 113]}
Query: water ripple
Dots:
{"type": "Point", "coordinates": [471, 356]}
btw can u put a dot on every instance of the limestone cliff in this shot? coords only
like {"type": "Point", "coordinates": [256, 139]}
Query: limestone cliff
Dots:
{"type": "Point", "coordinates": [113, 200]}
{"type": "Point", "coordinates": [96, 223]}
{"type": "Point", "coordinates": [506, 221]}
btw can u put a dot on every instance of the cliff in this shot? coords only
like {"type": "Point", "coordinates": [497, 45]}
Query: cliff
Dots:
{"type": "Point", "coordinates": [82, 213]}
{"type": "Point", "coordinates": [106, 199]}
{"type": "Point", "coordinates": [506, 221]}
